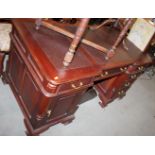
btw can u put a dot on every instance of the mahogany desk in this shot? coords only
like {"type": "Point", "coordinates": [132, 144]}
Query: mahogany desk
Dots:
{"type": "Point", "coordinates": [48, 93]}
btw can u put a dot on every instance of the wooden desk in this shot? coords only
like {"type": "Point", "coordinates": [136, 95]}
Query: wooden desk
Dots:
{"type": "Point", "coordinates": [48, 93]}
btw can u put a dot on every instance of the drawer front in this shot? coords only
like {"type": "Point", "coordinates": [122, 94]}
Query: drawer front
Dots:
{"type": "Point", "coordinates": [115, 87]}
{"type": "Point", "coordinates": [75, 85]}
{"type": "Point", "coordinates": [134, 76]}
{"type": "Point", "coordinates": [138, 69]}
{"type": "Point", "coordinates": [112, 85]}
{"type": "Point", "coordinates": [120, 93]}
{"type": "Point", "coordinates": [126, 84]}
{"type": "Point", "coordinates": [122, 84]}
{"type": "Point", "coordinates": [111, 72]}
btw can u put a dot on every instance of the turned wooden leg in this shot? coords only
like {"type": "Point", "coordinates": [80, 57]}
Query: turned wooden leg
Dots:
{"type": "Point", "coordinates": [76, 40]}
{"type": "Point", "coordinates": [122, 34]}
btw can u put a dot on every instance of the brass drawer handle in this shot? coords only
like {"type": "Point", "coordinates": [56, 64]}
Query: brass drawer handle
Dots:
{"type": "Point", "coordinates": [133, 76]}
{"type": "Point", "coordinates": [81, 83]}
{"type": "Point", "coordinates": [127, 84]}
{"type": "Point", "coordinates": [77, 87]}
{"type": "Point", "coordinates": [141, 68]}
{"type": "Point", "coordinates": [121, 92]}
{"type": "Point", "coordinates": [104, 74]}
{"type": "Point", "coordinates": [49, 112]}
{"type": "Point", "coordinates": [123, 69]}
{"type": "Point", "coordinates": [73, 86]}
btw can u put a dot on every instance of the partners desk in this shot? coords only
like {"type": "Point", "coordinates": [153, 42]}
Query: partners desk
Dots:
{"type": "Point", "coordinates": [49, 93]}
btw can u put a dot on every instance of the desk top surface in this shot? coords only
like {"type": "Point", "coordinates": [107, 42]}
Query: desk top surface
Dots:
{"type": "Point", "coordinates": [48, 49]}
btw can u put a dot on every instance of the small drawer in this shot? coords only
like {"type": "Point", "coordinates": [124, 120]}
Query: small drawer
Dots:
{"type": "Point", "coordinates": [114, 71]}
{"type": "Point", "coordinates": [111, 72]}
{"type": "Point", "coordinates": [112, 86]}
{"type": "Point", "coordinates": [121, 93]}
{"type": "Point", "coordinates": [127, 84]}
{"type": "Point", "coordinates": [75, 85]}
{"type": "Point", "coordinates": [134, 76]}
{"type": "Point", "coordinates": [139, 69]}
{"type": "Point", "coordinates": [103, 75]}
{"type": "Point", "coordinates": [123, 69]}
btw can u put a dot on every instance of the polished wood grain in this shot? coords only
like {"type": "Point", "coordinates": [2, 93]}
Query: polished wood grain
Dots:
{"type": "Point", "coordinates": [46, 91]}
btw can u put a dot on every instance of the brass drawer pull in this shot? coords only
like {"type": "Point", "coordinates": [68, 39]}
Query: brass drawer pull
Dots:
{"type": "Point", "coordinates": [133, 76]}
{"type": "Point", "coordinates": [121, 92]}
{"type": "Point", "coordinates": [141, 68]}
{"type": "Point", "coordinates": [127, 84]}
{"type": "Point", "coordinates": [73, 86]}
{"type": "Point", "coordinates": [77, 87]}
{"type": "Point", "coordinates": [81, 84]}
{"type": "Point", "coordinates": [104, 74]}
{"type": "Point", "coordinates": [123, 69]}
{"type": "Point", "coordinates": [49, 113]}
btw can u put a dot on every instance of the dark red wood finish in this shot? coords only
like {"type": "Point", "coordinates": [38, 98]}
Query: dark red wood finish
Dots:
{"type": "Point", "coordinates": [48, 93]}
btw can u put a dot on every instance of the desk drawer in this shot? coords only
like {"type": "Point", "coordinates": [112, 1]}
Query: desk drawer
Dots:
{"type": "Point", "coordinates": [75, 85]}
{"type": "Point", "coordinates": [115, 87]}
{"type": "Point", "coordinates": [111, 72]}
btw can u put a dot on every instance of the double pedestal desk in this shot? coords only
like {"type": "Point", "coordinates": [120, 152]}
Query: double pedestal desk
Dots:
{"type": "Point", "coordinates": [49, 93]}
